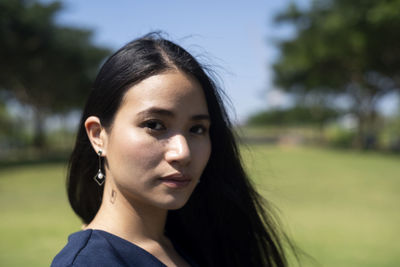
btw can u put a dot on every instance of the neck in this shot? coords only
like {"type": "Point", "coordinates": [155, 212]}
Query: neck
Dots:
{"type": "Point", "coordinates": [133, 221]}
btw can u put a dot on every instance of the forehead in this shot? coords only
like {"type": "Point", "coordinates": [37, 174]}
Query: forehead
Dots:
{"type": "Point", "coordinates": [174, 90]}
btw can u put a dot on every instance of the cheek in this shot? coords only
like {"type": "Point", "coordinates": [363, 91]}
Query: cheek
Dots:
{"type": "Point", "coordinates": [203, 152]}
{"type": "Point", "coordinates": [132, 154]}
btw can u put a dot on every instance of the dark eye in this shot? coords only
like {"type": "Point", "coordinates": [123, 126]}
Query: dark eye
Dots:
{"type": "Point", "coordinates": [198, 129]}
{"type": "Point", "coordinates": [154, 125]}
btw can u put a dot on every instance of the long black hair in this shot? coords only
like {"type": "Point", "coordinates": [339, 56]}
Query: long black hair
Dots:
{"type": "Point", "coordinates": [225, 222]}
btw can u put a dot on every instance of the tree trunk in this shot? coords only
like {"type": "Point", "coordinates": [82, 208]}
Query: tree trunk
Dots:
{"type": "Point", "coordinates": [39, 138]}
{"type": "Point", "coordinates": [358, 139]}
{"type": "Point", "coordinates": [367, 131]}
{"type": "Point", "coordinates": [372, 130]}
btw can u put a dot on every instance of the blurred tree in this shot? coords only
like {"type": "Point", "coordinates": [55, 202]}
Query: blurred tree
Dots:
{"type": "Point", "coordinates": [5, 123]}
{"type": "Point", "coordinates": [44, 65]}
{"type": "Point", "coordinates": [295, 116]}
{"type": "Point", "coordinates": [343, 48]}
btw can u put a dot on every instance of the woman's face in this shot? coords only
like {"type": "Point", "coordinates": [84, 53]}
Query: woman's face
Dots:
{"type": "Point", "coordinates": [159, 144]}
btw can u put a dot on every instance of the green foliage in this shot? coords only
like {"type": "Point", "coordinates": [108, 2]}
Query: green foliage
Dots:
{"type": "Point", "coordinates": [390, 137]}
{"type": "Point", "coordinates": [11, 133]}
{"type": "Point", "coordinates": [298, 115]}
{"type": "Point", "coordinates": [341, 138]}
{"type": "Point", "coordinates": [339, 42]}
{"type": "Point", "coordinates": [44, 65]}
{"type": "Point", "coordinates": [343, 48]}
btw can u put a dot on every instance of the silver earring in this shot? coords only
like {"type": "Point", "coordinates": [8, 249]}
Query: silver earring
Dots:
{"type": "Point", "coordinates": [99, 177]}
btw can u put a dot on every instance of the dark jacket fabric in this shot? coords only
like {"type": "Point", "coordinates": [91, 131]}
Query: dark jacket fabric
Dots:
{"type": "Point", "coordinates": [100, 248]}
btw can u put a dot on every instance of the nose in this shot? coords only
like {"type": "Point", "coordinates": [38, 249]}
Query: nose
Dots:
{"type": "Point", "coordinates": [178, 150]}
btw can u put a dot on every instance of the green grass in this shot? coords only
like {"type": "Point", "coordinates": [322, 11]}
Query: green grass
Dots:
{"type": "Point", "coordinates": [35, 216]}
{"type": "Point", "coordinates": [341, 207]}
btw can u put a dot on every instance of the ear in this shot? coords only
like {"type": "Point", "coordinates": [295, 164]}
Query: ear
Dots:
{"type": "Point", "coordinates": [97, 134]}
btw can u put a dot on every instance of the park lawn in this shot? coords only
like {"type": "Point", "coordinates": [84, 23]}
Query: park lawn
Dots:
{"type": "Point", "coordinates": [35, 216]}
{"type": "Point", "coordinates": [341, 207]}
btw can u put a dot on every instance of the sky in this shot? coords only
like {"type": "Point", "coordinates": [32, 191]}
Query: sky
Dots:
{"type": "Point", "coordinates": [236, 37]}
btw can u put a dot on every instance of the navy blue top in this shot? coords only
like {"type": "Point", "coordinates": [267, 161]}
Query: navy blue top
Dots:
{"type": "Point", "coordinates": [99, 248]}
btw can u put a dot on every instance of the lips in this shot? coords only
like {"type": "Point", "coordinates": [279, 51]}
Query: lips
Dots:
{"type": "Point", "coordinates": [176, 180]}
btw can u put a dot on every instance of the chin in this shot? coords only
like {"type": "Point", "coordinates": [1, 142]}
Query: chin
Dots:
{"type": "Point", "coordinates": [176, 207]}
{"type": "Point", "coordinates": [174, 204]}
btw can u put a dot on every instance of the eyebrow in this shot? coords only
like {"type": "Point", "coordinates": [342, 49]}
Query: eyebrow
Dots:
{"type": "Point", "coordinates": [168, 113]}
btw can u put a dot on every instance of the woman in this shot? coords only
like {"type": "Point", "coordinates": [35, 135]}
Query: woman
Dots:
{"type": "Point", "coordinates": [169, 187]}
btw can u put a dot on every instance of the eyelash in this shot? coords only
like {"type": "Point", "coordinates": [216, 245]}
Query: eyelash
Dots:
{"type": "Point", "coordinates": [201, 127]}
{"type": "Point", "coordinates": [151, 125]}
{"type": "Point", "coordinates": [154, 126]}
